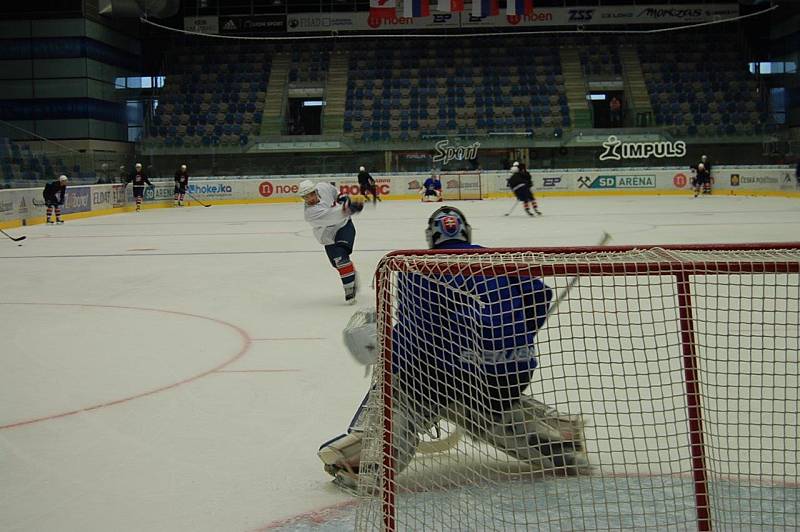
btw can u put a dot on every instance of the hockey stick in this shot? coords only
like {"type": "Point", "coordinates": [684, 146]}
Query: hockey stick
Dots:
{"type": "Point", "coordinates": [17, 239]}
{"type": "Point", "coordinates": [604, 239]}
{"type": "Point", "coordinates": [197, 200]}
{"type": "Point", "coordinates": [512, 208]}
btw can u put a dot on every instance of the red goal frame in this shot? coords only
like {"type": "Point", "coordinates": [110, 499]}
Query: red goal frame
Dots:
{"type": "Point", "coordinates": [681, 270]}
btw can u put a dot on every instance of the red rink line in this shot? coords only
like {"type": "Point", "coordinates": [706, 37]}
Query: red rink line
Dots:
{"type": "Point", "coordinates": [285, 339]}
{"type": "Point", "coordinates": [246, 343]}
{"type": "Point", "coordinates": [258, 370]}
{"type": "Point", "coordinates": [320, 516]}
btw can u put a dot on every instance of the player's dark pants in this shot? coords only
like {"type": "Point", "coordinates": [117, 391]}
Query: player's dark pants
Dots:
{"type": "Point", "coordinates": [52, 205]}
{"type": "Point", "coordinates": [367, 188]}
{"type": "Point", "coordinates": [138, 195]}
{"type": "Point", "coordinates": [180, 192]}
{"type": "Point", "coordinates": [339, 253]}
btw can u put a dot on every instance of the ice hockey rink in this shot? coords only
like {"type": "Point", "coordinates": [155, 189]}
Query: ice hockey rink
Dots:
{"type": "Point", "coordinates": [177, 369]}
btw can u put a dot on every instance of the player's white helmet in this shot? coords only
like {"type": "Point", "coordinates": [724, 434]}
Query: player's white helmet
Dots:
{"type": "Point", "coordinates": [362, 169]}
{"type": "Point", "coordinates": [306, 187]}
{"type": "Point", "coordinates": [447, 223]}
{"type": "Point", "coordinates": [138, 166]}
{"type": "Point", "coordinates": [701, 166]}
{"type": "Point", "coordinates": [62, 178]}
{"type": "Point", "coordinates": [704, 158]}
{"type": "Point", "coordinates": [515, 165]}
{"type": "Point", "coordinates": [183, 168]}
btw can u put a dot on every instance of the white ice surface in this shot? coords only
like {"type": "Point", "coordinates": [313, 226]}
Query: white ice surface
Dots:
{"type": "Point", "coordinates": [177, 369]}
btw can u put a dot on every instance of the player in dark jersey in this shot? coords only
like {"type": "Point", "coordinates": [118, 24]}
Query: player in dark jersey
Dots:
{"type": "Point", "coordinates": [702, 179]}
{"type": "Point", "coordinates": [181, 182]}
{"type": "Point", "coordinates": [139, 180]}
{"type": "Point", "coordinates": [521, 184]}
{"type": "Point", "coordinates": [367, 184]}
{"type": "Point", "coordinates": [53, 194]}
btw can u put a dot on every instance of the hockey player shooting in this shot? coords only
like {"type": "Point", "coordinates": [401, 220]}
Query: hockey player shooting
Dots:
{"type": "Point", "coordinates": [329, 213]}
{"type": "Point", "coordinates": [464, 352]}
{"type": "Point", "coordinates": [431, 189]}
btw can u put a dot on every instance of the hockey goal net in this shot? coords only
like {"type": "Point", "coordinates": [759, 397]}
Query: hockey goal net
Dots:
{"type": "Point", "coordinates": [675, 369]}
{"type": "Point", "coordinates": [465, 185]}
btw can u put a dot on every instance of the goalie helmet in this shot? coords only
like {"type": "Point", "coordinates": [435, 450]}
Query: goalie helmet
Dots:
{"type": "Point", "coordinates": [306, 187]}
{"type": "Point", "coordinates": [447, 223]}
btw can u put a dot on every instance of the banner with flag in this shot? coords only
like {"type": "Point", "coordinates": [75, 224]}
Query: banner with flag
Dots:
{"type": "Point", "coordinates": [485, 8]}
{"type": "Point", "coordinates": [383, 9]}
{"type": "Point", "coordinates": [519, 7]}
{"type": "Point", "coordinates": [451, 6]}
{"type": "Point", "coordinates": [416, 8]}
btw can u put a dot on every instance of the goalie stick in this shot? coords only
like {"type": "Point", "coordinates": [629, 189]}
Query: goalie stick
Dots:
{"type": "Point", "coordinates": [17, 239]}
{"type": "Point", "coordinates": [604, 239]}
{"type": "Point", "coordinates": [197, 200]}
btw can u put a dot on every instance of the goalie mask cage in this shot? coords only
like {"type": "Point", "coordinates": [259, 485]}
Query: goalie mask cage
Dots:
{"type": "Point", "coordinates": [463, 185]}
{"type": "Point", "coordinates": [679, 362]}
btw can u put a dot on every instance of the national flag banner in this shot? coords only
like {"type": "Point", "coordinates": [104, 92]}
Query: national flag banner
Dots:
{"type": "Point", "coordinates": [416, 8]}
{"type": "Point", "coordinates": [451, 6]}
{"type": "Point", "coordinates": [519, 7]}
{"type": "Point", "coordinates": [485, 8]}
{"type": "Point", "coordinates": [383, 9]}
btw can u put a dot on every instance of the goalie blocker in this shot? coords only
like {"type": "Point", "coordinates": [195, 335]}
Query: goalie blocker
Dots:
{"type": "Point", "coordinates": [443, 372]}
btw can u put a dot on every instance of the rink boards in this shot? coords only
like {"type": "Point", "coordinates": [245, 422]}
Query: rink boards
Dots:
{"type": "Point", "coordinates": [25, 206]}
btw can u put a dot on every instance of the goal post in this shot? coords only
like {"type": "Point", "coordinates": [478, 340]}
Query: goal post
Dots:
{"type": "Point", "coordinates": [673, 370]}
{"type": "Point", "coordinates": [461, 185]}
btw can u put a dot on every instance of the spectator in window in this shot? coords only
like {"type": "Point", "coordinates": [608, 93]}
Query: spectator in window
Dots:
{"type": "Point", "coordinates": [615, 107]}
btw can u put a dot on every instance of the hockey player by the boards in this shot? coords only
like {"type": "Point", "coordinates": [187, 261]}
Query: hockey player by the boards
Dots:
{"type": "Point", "coordinates": [329, 213]}
{"type": "Point", "coordinates": [53, 194]}
{"type": "Point", "coordinates": [708, 180]}
{"type": "Point", "coordinates": [139, 180]}
{"type": "Point", "coordinates": [367, 185]}
{"type": "Point", "coordinates": [521, 184]}
{"type": "Point", "coordinates": [432, 189]}
{"type": "Point", "coordinates": [463, 350]}
{"type": "Point", "coordinates": [702, 179]}
{"type": "Point", "coordinates": [181, 182]}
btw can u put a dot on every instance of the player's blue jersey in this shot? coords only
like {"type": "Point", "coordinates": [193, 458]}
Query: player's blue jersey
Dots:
{"type": "Point", "coordinates": [432, 184]}
{"type": "Point", "coordinates": [476, 324]}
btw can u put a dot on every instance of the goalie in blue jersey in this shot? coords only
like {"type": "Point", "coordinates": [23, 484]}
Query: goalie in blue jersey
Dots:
{"type": "Point", "coordinates": [463, 351]}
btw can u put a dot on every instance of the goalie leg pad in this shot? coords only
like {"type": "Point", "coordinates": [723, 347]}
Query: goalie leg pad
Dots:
{"type": "Point", "coordinates": [341, 456]}
{"type": "Point", "coordinates": [532, 432]}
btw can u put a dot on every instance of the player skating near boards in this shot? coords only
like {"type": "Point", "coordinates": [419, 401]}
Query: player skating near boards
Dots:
{"type": "Point", "coordinates": [432, 189]}
{"type": "Point", "coordinates": [329, 213]}
{"type": "Point", "coordinates": [368, 185]}
{"type": "Point", "coordinates": [181, 182]}
{"type": "Point", "coordinates": [521, 184]}
{"type": "Point", "coordinates": [448, 368]}
{"type": "Point", "coordinates": [139, 180]}
{"type": "Point", "coordinates": [53, 195]}
{"type": "Point", "coordinates": [702, 179]}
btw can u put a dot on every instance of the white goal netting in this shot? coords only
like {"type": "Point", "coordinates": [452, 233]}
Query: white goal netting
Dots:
{"type": "Point", "coordinates": [598, 389]}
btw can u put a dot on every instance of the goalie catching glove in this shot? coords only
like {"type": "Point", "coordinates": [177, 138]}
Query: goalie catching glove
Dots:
{"type": "Point", "coordinates": [361, 336]}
